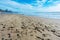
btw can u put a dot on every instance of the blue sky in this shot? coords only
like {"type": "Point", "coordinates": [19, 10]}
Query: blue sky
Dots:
{"type": "Point", "coordinates": [33, 7]}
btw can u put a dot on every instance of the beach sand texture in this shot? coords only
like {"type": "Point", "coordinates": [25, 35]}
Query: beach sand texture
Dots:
{"type": "Point", "coordinates": [20, 27]}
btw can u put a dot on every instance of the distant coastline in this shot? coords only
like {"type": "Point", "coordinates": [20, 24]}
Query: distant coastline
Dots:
{"type": "Point", "coordinates": [52, 15]}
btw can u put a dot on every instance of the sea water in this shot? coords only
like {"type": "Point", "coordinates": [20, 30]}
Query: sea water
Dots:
{"type": "Point", "coordinates": [55, 15]}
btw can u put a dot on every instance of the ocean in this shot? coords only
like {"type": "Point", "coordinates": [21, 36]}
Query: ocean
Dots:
{"type": "Point", "coordinates": [55, 15]}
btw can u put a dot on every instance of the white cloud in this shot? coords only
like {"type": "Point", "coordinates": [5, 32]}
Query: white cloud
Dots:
{"type": "Point", "coordinates": [29, 8]}
{"type": "Point", "coordinates": [54, 8]}
{"type": "Point", "coordinates": [16, 6]}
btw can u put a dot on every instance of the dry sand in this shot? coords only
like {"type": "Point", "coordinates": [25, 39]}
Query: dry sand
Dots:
{"type": "Point", "coordinates": [20, 27]}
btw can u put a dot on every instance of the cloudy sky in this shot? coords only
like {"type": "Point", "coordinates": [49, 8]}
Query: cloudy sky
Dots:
{"type": "Point", "coordinates": [31, 6]}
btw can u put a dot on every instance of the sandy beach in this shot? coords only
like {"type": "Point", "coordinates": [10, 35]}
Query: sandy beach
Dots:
{"type": "Point", "coordinates": [21, 27]}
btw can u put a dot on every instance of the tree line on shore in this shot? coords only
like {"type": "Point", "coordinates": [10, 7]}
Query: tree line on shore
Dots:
{"type": "Point", "coordinates": [5, 10]}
